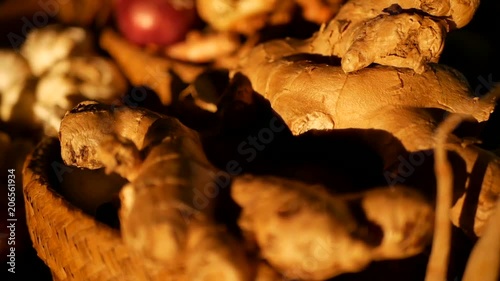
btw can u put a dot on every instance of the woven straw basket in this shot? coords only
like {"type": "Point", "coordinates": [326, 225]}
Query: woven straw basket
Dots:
{"type": "Point", "coordinates": [73, 244]}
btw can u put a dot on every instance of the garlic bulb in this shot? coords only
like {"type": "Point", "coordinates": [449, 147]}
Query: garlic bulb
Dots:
{"type": "Point", "coordinates": [46, 46]}
{"type": "Point", "coordinates": [73, 80]}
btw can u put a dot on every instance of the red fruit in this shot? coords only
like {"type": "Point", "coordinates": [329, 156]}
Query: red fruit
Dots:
{"type": "Point", "coordinates": [161, 22]}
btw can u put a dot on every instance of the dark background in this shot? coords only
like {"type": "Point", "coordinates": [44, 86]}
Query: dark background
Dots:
{"type": "Point", "coordinates": [473, 50]}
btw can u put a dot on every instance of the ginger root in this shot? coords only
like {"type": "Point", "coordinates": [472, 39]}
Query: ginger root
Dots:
{"type": "Point", "coordinates": [167, 208]}
{"type": "Point", "coordinates": [143, 69]}
{"type": "Point", "coordinates": [311, 92]}
{"type": "Point", "coordinates": [204, 48]}
{"type": "Point", "coordinates": [484, 260]}
{"type": "Point", "coordinates": [338, 234]}
{"type": "Point", "coordinates": [403, 33]}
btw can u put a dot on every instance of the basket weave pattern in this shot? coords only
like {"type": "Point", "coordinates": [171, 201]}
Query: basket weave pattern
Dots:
{"type": "Point", "coordinates": [73, 244]}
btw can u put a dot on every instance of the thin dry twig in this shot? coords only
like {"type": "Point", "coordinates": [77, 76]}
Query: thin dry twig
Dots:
{"type": "Point", "coordinates": [438, 261]}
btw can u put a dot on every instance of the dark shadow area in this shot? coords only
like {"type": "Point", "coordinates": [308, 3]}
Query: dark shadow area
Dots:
{"type": "Point", "coordinates": [471, 201]}
{"type": "Point", "coordinates": [345, 161]}
{"type": "Point", "coordinates": [473, 50]}
{"type": "Point", "coordinates": [490, 135]}
{"type": "Point", "coordinates": [298, 28]}
{"type": "Point", "coordinates": [256, 138]}
{"type": "Point", "coordinates": [315, 58]}
{"type": "Point", "coordinates": [58, 176]}
{"type": "Point", "coordinates": [411, 269]}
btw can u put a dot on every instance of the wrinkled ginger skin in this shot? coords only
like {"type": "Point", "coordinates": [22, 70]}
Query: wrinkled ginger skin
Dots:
{"type": "Point", "coordinates": [164, 208]}
{"type": "Point", "coordinates": [80, 140]}
{"type": "Point", "coordinates": [273, 210]}
{"type": "Point", "coordinates": [332, 240]}
{"type": "Point", "coordinates": [363, 33]}
{"type": "Point", "coordinates": [300, 85]}
{"type": "Point", "coordinates": [405, 217]}
{"type": "Point", "coordinates": [309, 93]}
{"type": "Point", "coordinates": [459, 12]}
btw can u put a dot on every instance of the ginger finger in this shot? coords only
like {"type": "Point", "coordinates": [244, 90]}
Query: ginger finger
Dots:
{"type": "Point", "coordinates": [484, 260]}
{"type": "Point", "coordinates": [167, 203]}
{"type": "Point", "coordinates": [420, 40]}
{"type": "Point", "coordinates": [405, 218]}
{"type": "Point", "coordinates": [80, 141]}
{"type": "Point", "coordinates": [368, 19]}
{"type": "Point", "coordinates": [213, 245]}
{"type": "Point", "coordinates": [204, 48]}
{"type": "Point", "coordinates": [330, 239]}
{"type": "Point", "coordinates": [275, 208]}
{"type": "Point", "coordinates": [143, 69]}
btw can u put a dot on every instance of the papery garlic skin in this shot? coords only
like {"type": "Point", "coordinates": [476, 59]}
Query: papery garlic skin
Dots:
{"type": "Point", "coordinates": [73, 80]}
{"type": "Point", "coordinates": [46, 46]}
{"type": "Point", "coordinates": [96, 78]}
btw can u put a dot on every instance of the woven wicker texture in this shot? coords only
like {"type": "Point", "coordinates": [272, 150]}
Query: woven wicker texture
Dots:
{"type": "Point", "coordinates": [72, 244]}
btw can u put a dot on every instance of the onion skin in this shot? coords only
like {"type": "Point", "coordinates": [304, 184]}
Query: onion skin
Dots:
{"type": "Point", "coordinates": [159, 22]}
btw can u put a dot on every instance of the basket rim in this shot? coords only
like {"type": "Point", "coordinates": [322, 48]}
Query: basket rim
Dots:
{"type": "Point", "coordinates": [73, 244]}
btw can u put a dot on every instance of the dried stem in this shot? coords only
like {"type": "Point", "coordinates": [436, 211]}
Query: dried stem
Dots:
{"type": "Point", "coordinates": [484, 260]}
{"type": "Point", "coordinates": [438, 261]}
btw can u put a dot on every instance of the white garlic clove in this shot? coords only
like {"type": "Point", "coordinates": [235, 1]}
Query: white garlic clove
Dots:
{"type": "Point", "coordinates": [100, 78]}
{"type": "Point", "coordinates": [46, 46]}
{"type": "Point", "coordinates": [50, 117]}
{"type": "Point", "coordinates": [55, 90]}
{"type": "Point", "coordinates": [73, 80]}
{"type": "Point", "coordinates": [55, 94]}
